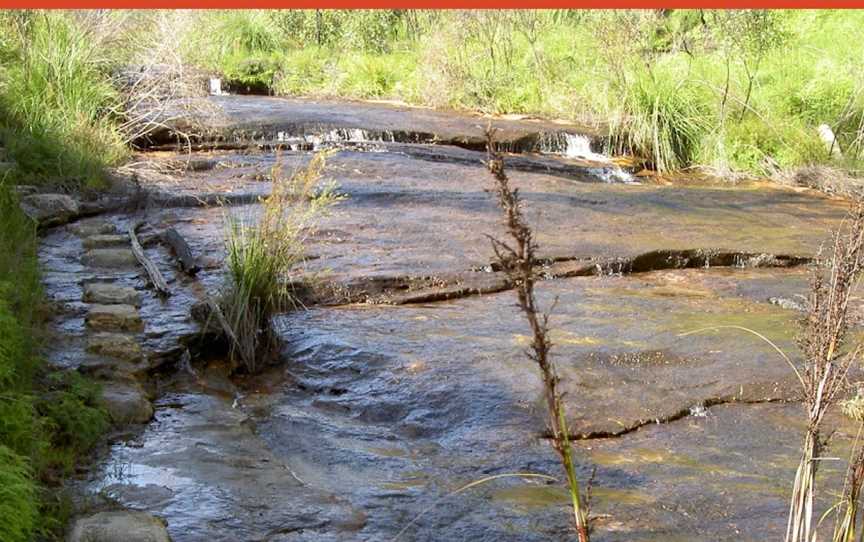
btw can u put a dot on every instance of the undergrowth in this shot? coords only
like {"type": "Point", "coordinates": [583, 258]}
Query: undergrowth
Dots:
{"type": "Point", "coordinates": [47, 419]}
{"type": "Point", "coordinates": [55, 99]}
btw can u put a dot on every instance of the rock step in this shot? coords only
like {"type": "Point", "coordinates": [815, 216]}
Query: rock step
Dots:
{"type": "Point", "coordinates": [114, 318]}
{"type": "Point", "coordinates": [91, 227]}
{"type": "Point", "coordinates": [125, 525]}
{"type": "Point", "coordinates": [105, 240]}
{"type": "Point", "coordinates": [115, 345]}
{"type": "Point", "coordinates": [126, 402]}
{"type": "Point", "coordinates": [109, 257]}
{"type": "Point", "coordinates": [106, 293]}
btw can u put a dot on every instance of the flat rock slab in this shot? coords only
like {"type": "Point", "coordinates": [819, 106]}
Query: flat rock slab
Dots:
{"type": "Point", "coordinates": [119, 526]}
{"type": "Point", "coordinates": [115, 345]}
{"type": "Point", "coordinates": [114, 318]}
{"type": "Point", "coordinates": [202, 465]}
{"type": "Point", "coordinates": [50, 209]}
{"type": "Point", "coordinates": [617, 344]}
{"type": "Point", "coordinates": [109, 257]}
{"type": "Point", "coordinates": [723, 475]}
{"type": "Point", "coordinates": [105, 240]}
{"type": "Point", "coordinates": [126, 403]}
{"type": "Point", "coordinates": [261, 117]}
{"type": "Point", "coordinates": [404, 217]}
{"type": "Point", "coordinates": [108, 293]}
{"type": "Point", "coordinates": [93, 226]}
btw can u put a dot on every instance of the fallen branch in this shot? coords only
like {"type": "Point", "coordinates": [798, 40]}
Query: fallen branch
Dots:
{"type": "Point", "coordinates": [185, 258]}
{"type": "Point", "coordinates": [153, 273]}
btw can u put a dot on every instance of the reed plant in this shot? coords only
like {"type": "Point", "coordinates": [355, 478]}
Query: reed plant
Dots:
{"type": "Point", "coordinates": [263, 250]}
{"type": "Point", "coordinates": [518, 260]}
{"type": "Point", "coordinates": [826, 365]}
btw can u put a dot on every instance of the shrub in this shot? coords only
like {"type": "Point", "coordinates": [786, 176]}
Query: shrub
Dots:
{"type": "Point", "coordinates": [664, 119]}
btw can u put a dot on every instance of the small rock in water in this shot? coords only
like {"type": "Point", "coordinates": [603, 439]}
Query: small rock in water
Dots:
{"type": "Point", "coordinates": [107, 293]}
{"type": "Point", "coordinates": [126, 403]}
{"type": "Point", "coordinates": [109, 257]}
{"type": "Point", "coordinates": [89, 228]}
{"type": "Point", "coordinates": [115, 345]}
{"type": "Point", "coordinates": [119, 526]}
{"type": "Point", "coordinates": [114, 318]}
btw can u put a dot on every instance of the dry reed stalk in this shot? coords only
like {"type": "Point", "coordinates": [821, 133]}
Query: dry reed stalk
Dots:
{"type": "Point", "coordinates": [822, 336]}
{"type": "Point", "coordinates": [519, 262]}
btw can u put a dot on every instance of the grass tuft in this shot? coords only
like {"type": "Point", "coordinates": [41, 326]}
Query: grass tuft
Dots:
{"type": "Point", "coordinates": [263, 250]}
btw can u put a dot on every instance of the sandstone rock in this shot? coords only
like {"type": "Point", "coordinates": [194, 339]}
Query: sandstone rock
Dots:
{"type": "Point", "coordinates": [126, 403]}
{"type": "Point", "coordinates": [50, 209]}
{"type": "Point", "coordinates": [88, 228]}
{"type": "Point", "coordinates": [114, 318]}
{"type": "Point", "coordinates": [107, 293]}
{"type": "Point", "coordinates": [119, 526]}
{"type": "Point", "coordinates": [102, 241]}
{"type": "Point", "coordinates": [115, 345]}
{"type": "Point", "coordinates": [109, 257]}
{"type": "Point", "coordinates": [115, 370]}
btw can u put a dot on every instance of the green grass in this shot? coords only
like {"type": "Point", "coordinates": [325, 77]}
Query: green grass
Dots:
{"type": "Point", "coordinates": [56, 101]}
{"type": "Point", "coordinates": [263, 250]}
{"type": "Point", "coordinates": [55, 104]}
{"type": "Point", "coordinates": [47, 419]}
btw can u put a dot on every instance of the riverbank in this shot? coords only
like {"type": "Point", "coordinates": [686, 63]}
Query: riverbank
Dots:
{"type": "Point", "coordinates": [741, 92]}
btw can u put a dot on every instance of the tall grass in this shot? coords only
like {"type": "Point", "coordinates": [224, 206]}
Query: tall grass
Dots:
{"type": "Point", "coordinates": [263, 251]}
{"type": "Point", "coordinates": [826, 365]}
{"type": "Point", "coordinates": [54, 98]}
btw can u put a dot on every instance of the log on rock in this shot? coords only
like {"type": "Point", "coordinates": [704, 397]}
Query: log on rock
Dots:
{"type": "Point", "coordinates": [153, 273]}
{"type": "Point", "coordinates": [185, 258]}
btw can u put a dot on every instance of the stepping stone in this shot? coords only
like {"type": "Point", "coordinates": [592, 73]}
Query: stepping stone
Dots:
{"type": "Point", "coordinates": [115, 370]}
{"type": "Point", "coordinates": [106, 293]}
{"type": "Point", "coordinates": [90, 228]}
{"type": "Point", "coordinates": [126, 403]}
{"type": "Point", "coordinates": [105, 240]}
{"type": "Point", "coordinates": [115, 345]}
{"type": "Point", "coordinates": [125, 525]}
{"type": "Point", "coordinates": [109, 257]}
{"type": "Point", "coordinates": [114, 318]}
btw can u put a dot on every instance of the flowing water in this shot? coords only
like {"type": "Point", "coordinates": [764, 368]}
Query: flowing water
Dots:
{"type": "Point", "coordinates": [408, 380]}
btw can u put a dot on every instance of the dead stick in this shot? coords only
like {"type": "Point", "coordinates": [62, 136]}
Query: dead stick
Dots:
{"type": "Point", "coordinates": [152, 271]}
{"type": "Point", "coordinates": [185, 258]}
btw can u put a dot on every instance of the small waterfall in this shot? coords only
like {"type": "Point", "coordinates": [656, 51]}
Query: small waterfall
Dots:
{"type": "Point", "coordinates": [578, 146]}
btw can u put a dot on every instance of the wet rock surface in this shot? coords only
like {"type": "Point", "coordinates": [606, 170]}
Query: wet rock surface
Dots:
{"type": "Point", "coordinates": [415, 383]}
{"type": "Point", "coordinates": [237, 118]}
{"type": "Point", "coordinates": [120, 525]}
{"type": "Point", "coordinates": [109, 293]}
